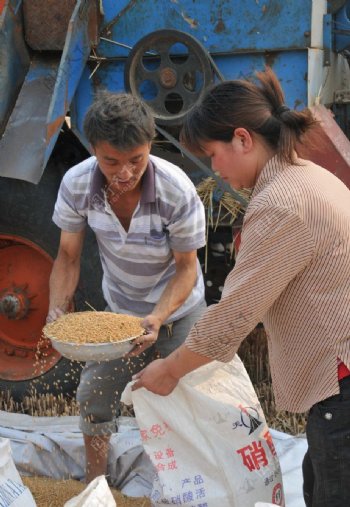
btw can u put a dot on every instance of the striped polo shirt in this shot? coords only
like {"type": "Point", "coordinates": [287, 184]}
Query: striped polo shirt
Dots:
{"type": "Point", "coordinates": [138, 264]}
{"type": "Point", "coordinates": [292, 273]}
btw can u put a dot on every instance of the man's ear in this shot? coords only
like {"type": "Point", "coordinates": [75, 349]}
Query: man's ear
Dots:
{"type": "Point", "coordinates": [244, 137]}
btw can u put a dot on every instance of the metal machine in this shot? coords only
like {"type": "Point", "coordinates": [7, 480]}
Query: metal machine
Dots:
{"type": "Point", "coordinates": [55, 55]}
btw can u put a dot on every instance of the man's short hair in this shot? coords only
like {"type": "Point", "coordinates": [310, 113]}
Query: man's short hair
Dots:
{"type": "Point", "coordinates": [121, 119]}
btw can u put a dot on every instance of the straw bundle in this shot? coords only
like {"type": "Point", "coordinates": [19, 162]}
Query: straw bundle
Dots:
{"type": "Point", "coordinates": [221, 208]}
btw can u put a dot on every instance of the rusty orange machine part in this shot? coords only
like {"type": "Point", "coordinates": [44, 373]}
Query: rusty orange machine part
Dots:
{"type": "Point", "coordinates": [328, 146]}
{"type": "Point", "coordinates": [24, 294]}
{"type": "Point", "coordinates": [2, 5]}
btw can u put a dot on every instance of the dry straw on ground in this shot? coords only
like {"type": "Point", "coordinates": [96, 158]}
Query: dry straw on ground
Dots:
{"type": "Point", "coordinates": [94, 327]}
{"type": "Point", "coordinates": [52, 493]}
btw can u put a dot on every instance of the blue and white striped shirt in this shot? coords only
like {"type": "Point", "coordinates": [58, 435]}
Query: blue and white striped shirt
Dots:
{"type": "Point", "coordinates": [137, 264]}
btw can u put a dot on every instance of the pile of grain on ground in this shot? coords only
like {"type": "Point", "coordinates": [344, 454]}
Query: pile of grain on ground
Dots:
{"type": "Point", "coordinates": [52, 493]}
{"type": "Point", "coordinates": [94, 327]}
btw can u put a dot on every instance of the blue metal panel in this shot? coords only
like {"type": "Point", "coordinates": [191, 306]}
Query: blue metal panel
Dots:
{"type": "Point", "coordinates": [81, 101]}
{"type": "Point", "coordinates": [74, 57]}
{"type": "Point", "coordinates": [221, 25]}
{"type": "Point", "coordinates": [291, 68]}
{"type": "Point", "coordinates": [14, 58]}
{"type": "Point", "coordinates": [43, 102]}
{"type": "Point", "coordinates": [341, 29]}
{"type": "Point", "coordinates": [23, 145]}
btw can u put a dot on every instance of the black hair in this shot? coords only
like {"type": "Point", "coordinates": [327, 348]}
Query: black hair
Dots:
{"type": "Point", "coordinates": [121, 119]}
{"type": "Point", "coordinates": [258, 107]}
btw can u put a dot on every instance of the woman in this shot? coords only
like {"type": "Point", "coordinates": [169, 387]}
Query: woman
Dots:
{"type": "Point", "coordinates": [292, 273]}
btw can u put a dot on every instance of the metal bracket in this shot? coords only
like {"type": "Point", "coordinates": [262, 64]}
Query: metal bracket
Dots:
{"type": "Point", "coordinates": [327, 39]}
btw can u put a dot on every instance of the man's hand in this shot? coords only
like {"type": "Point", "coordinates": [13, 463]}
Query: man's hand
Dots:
{"type": "Point", "coordinates": [156, 378]}
{"type": "Point", "coordinates": [54, 314]}
{"type": "Point", "coordinates": [152, 324]}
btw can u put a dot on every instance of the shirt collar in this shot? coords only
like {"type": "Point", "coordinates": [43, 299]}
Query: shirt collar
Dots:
{"type": "Point", "coordinates": [268, 173]}
{"type": "Point", "coordinates": [148, 189]}
{"type": "Point", "coordinates": [98, 182]}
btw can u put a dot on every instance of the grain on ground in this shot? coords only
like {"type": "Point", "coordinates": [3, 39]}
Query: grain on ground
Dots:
{"type": "Point", "coordinates": [55, 493]}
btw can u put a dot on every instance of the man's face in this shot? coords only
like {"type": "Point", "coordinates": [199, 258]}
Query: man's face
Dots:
{"type": "Point", "coordinates": [123, 169]}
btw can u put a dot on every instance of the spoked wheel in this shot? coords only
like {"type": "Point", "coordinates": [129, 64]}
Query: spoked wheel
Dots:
{"type": "Point", "coordinates": [169, 70]}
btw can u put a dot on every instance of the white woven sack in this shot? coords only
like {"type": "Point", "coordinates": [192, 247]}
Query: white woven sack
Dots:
{"type": "Point", "coordinates": [96, 494]}
{"type": "Point", "coordinates": [209, 441]}
{"type": "Point", "coordinates": [12, 490]}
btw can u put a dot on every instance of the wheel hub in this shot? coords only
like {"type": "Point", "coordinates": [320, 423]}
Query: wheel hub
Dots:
{"type": "Point", "coordinates": [168, 78]}
{"type": "Point", "coordinates": [14, 303]}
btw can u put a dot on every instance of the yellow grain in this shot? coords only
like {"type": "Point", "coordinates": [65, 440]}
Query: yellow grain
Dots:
{"type": "Point", "coordinates": [94, 327]}
{"type": "Point", "coordinates": [55, 493]}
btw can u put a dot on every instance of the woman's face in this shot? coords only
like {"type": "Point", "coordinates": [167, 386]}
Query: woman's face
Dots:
{"type": "Point", "coordinates": [236, 161]}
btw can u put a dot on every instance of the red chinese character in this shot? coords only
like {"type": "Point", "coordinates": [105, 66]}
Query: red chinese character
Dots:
{"type": "Point", "coordinates": [170, 453]}
{"type": "Point", "coordinates": [268, 438]}
{"type": "Point", "coordinates": [166, 426]}
{"type": "Point", "coordinates": [172, 465]}
{"type": "Point", "coordinates": [160, 467]}
{"type": "Point", "coordinates": [157, 430]}
{"type": "Point", "coordinates": [144, 435]}
{"type": "Point", "coordinates": [253, 456]}
{"type": "Point", "coordinates": [158, 454]}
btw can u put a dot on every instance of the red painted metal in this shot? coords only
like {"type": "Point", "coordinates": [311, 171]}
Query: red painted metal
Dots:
{"type": "Point", "coordinates": [328, 146]}
{"type": "Point", "coordinates": [2, 5]}
{"type": "Point", "coordinates": [24, 270]}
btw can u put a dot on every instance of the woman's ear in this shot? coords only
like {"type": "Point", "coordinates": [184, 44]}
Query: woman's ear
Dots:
{"type": "Point", "coordinates": [244, 138]}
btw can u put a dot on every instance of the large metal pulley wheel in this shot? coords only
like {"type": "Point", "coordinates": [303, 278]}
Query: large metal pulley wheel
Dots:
{"type": "Point", "coordinates": [170, 71]}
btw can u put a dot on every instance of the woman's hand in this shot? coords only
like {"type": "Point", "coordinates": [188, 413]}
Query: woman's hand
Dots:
{"type": "Point", "coordinates": [156, 377]}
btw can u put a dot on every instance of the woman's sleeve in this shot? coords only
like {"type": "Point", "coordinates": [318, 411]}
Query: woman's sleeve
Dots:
{"type": "Point", "coordinates": [276, 246]}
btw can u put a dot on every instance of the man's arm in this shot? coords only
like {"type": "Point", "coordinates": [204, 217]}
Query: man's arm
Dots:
{"type": "Point", "coordinates": [174, 295]}
{"type": "Point", "coordinates": [65, 273]}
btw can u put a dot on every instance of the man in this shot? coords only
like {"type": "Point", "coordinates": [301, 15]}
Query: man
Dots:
{"type": "Point", "coordinates": [149, 223]}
